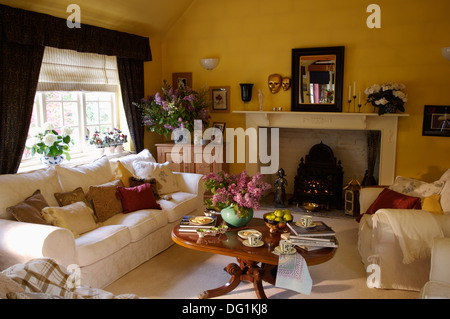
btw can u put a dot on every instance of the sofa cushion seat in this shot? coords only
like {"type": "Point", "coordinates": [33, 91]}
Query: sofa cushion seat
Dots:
{"type": "Point", "coordinates": [100, 243]}
{"type": "Point", "coordinates": [181, 204]}
{"type": "Point", "coordinates": [141, 222]}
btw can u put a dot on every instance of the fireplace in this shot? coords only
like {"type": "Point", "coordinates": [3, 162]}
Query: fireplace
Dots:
{"type": "Point", "coordinates": [386, 125]}
{"type": "Point", "coordinates": [319, 179]}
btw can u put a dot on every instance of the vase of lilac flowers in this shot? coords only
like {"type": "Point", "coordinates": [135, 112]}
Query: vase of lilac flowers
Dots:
{"type": "Point", "coordinates": [173, 109]}
{"type": "Point", "coordinates": [235, 196]}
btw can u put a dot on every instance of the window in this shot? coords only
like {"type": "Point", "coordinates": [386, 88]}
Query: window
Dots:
{"type": "Point", "coordinates": [79, 90]}
{"type": "Point", "coordinates": [84, 112]}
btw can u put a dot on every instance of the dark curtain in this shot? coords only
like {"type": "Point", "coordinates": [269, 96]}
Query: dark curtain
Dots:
{"type": "Point", "coordinates": [20, 66]}
{"type": "Point", "coordinates": [131, 76]}
{"type": "Point", "coordinates": [23, 36]}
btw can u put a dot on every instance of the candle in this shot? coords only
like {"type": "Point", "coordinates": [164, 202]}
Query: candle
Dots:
{"type": "Point", "coordinates": [354, 88]}
{"type": "Point", "coordinates": [349, 92]}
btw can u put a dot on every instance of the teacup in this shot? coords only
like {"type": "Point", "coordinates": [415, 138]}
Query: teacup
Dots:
{"type": "Point", "coordinates": [285, 246]}
{"type": "Point", "coordinates": [254, 239]}
{"type": "Point", "coordinates": [306, 220]}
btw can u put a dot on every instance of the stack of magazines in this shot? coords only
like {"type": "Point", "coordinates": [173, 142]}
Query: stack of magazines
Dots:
{"type": "Point", "coordinates": [192, 223]}
{"type": "Point", "coordinates": [318, 236]}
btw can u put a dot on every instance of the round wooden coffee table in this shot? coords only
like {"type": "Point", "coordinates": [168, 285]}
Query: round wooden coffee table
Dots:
{"type": "Point", "coordinates": [248, 258]}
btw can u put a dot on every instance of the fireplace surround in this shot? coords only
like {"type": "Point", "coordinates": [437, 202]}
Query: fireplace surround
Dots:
{"type": "Point", "coordinates": [387, 124]}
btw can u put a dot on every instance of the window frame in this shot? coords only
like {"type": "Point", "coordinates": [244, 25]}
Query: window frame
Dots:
{"type": "Point", "coordinates": [85, 149]}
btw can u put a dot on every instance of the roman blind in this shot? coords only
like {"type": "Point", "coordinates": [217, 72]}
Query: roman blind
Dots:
{"type": "Point", "coordinates": [69, 70]}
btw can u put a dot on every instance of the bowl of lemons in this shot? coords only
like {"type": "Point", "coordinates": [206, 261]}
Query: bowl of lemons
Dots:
{"type": "Point", "coordinates": [277, 220]}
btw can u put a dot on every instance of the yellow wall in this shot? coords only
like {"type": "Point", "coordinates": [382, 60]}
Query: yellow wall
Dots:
{"type": "Point", "coordinates": [254, 38]}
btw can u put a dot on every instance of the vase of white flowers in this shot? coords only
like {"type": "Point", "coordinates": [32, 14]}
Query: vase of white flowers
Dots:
{"type": "Point", "coordinates": [51, 144]}
{"type": "Point", "coordinates": [387, 97]}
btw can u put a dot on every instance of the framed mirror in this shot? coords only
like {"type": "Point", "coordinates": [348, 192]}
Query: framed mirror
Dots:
{"type": "Point", "coordinates": [317, 79]}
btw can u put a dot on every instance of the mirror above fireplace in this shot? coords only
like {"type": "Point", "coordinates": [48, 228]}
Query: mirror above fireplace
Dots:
{"type": "Point", "coordinates": [317, 79]}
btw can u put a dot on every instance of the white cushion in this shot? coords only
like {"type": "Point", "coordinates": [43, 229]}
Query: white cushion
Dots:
{"type": "Point", "coordinates": [445, 193]}
{"type": "Point", "coordinates": [100, 243]}
{"type": "Point", "coordinates": [416, 188]}
{"type": "Point", "coordinates": [167, 182]}
{"type": "Point", "coordinates": [14, 188]}
{"type": "Point", "coordinates": [128, 160]}
{"type": "Point", "coordinates": [141, 222]}
{"type": "Point", "coordinates": [76, 217]}
{"type": "Point", "coordinates": [181, 204]}
{"type": "Point", "coordinates": [95, 173]}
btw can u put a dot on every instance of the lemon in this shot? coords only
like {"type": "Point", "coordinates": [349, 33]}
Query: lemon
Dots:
{"type": "Point", "coordinates": [286, 212]}
{"type": "Point", "coordinates": [270, 216]}
{"type": "Point", "coordinates": [278, 213]}
{"type": "Point", "coordinates": [287, 217]}
{"type": "Point", "coordinates": [277, 219]}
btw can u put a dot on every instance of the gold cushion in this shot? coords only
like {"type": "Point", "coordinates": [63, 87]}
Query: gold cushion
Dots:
{"type": "Point", "coordinates": [432, 204]}
{"type": "Point", "coordinates": [122, 173]}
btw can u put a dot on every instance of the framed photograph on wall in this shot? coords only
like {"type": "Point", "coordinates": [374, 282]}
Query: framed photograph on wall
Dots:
{"type": "Point", "coordinates": [181, 79]}
{"type": "Point", "coordinates": [436, 120]}
{"type": "Point", "coordinates": [220, 98]}
{"type": "Point", "coordinates": [221, 127]}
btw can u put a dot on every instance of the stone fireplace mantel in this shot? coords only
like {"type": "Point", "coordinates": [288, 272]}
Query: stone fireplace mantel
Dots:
{"type": "Point", "coordinates": [387, 124]}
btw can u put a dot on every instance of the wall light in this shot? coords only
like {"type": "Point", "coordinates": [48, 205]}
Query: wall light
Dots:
{"type": "Point", "coordinates": [446, 53]}
{"type": "Point", "coordinates": [210, 63]}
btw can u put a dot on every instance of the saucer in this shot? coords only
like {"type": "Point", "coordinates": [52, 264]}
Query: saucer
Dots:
{"type": "Point", "coordinates": [246, 243]}
{"type": "Point", "coordinates": [300, 225]}
{"type": "Point", "coordinates": [277, 251]}
{"type": "Point", "coordinates": [245, 232]}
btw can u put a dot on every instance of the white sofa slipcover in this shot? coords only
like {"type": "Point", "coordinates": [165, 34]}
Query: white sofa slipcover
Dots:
{"type": "Point", "coordinates": [107, 252]}
{"type": "Point", "coordinates": [438, 286]}
{"type": "Point", "coordinates": [378, 243]}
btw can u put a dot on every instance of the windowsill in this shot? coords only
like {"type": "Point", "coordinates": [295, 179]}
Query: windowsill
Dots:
{"type": "Point", "coordinates": [78, 159]}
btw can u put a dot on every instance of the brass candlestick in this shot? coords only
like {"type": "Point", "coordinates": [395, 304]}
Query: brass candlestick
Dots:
{"type": "Point", "coordinates": [354, 103]}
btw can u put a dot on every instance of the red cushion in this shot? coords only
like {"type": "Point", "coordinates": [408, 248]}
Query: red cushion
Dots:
{"type": "Point", "coordinates": [138, 197]}
{"type": "Point", "coordinates": [390, 199]}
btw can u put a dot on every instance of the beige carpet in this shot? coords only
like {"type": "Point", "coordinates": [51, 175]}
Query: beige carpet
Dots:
{"type": "Point", "coordinates": [181, 273]}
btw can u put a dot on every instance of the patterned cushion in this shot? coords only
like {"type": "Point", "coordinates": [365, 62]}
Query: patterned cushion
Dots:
{"type": "Point", "coordinates": [167, 182]}
{"type": "Point", "coordinates": [104, 201]}
{"type": "Point", "coordinates": [67, 198]}
{"type": "Point", "coordinates": [416, 188]}
{"type": "Point", "coordinates": [76, 217]}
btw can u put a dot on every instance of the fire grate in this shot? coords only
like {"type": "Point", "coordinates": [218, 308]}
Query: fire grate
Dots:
{"type": "Point", "coordinates": [319, 179]}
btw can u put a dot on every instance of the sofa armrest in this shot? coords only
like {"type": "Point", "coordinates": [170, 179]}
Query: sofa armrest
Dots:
{"type": "Point", "coordinates": [440, 260]}
{"type": "Point", "coordinates": [20, 242]}
{"type": "Point", "coordinates": [367, 196]}
{"type": "Point", "coordinates": [190, 183]}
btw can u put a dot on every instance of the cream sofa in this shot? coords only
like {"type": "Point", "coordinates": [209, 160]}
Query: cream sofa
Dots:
{"type": "Point", "coordinates": [113, 247]}
{"type": "Point", "coordinates": [395, 244]}
{"type": "Point", "coordinates": [438, 286]}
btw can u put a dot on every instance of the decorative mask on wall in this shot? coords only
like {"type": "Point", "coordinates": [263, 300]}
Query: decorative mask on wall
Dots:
{"type": "Point", "coordinates": [286, 83]}
{"type": "Point", "coordinates": [275, 83]}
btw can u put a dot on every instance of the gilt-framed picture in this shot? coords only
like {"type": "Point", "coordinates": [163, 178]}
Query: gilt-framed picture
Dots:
{"type": "Point", "coordinates": [436, 120]}
{"type": "Point", "coordinates": [181, 79]}
{"type": "Point", "coordinates": [220, 98]}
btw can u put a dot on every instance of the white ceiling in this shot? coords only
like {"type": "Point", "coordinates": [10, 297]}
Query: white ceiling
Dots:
{"type": "Point", "coordinates": [141, 17]}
